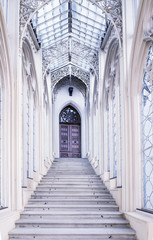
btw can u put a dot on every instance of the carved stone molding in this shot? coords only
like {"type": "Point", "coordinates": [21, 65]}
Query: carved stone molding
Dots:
{"type": "Point", "coordinates": [112, 36]}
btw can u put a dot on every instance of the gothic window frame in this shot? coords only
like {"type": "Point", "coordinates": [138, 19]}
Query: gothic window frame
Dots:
{"type": "Point", "coordinates": [29, 102]}
{"type": "Point", "coordinates": [113, 108]}
{"type": "Point", "coordinates": [68, 118]}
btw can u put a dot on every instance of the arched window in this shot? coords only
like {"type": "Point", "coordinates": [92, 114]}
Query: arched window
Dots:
{"type": "Point", "coordinates": [29, 112]}
{"type": "Point", "coordinates": [69, 115]}
{"type": "Point", "coordinates": [112, 116]}
{"type": "Point", "coordinates": [147, 130]}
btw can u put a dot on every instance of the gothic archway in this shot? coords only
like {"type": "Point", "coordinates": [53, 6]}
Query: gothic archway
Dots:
{"type": "Point", "coordinates": [70, 133]}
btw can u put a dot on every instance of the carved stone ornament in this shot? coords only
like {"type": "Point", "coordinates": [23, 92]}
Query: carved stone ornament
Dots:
{"type": "Point", "coordinates": [30, 40]}
{"type": "Point", "coordinates": [112, 36]}
{"type": "Point", "coordinates": [87, 56]}
{"type": "Point", "coordinates": [53, 55]}
{"type": "Point", "coordinates": [27, 7]}
{"type": "Point", "coordinates": [81, 74]}
{"type": "Point", "coordinates": [148, 36]}
{"type": "Point", "coordinates": [95, 64]}
{"type": "Point", "coordinates": [45, 94]}
{"type": "Point", "coordinates": [113, 10]}
{"type": "Point", "coordinates": [56, 76]}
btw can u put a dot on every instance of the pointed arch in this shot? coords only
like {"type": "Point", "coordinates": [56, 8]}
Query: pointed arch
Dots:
{"type": "Point", "coordinates": [70, 132]}
{"type": "Point", "coordinates": [30, 112]}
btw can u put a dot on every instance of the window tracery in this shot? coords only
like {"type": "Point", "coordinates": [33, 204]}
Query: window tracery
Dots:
{"type": "Point", "coordinates": [147, 130]}
{"type": "Point", "coordinates": [69, 115]}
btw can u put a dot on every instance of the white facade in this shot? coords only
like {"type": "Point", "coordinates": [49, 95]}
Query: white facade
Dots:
{"type": "Point", "coordinates": [112, 104]}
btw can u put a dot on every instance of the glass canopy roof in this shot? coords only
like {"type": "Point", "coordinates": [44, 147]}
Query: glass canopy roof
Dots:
{"type": "Point", "coordinates": [71, 31]}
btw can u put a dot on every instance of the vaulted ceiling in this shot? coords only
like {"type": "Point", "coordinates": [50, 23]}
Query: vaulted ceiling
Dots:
{"type": "Point", "coordinates": [70, 32]}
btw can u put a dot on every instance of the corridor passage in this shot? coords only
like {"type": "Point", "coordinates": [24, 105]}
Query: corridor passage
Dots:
{"type": "Point", "coordinates": [71, 202]}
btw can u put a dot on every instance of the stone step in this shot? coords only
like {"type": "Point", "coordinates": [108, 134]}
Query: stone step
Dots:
{"type": "Point", "coordinates": [71, 214]}
{"type": "Point", "coordinates": [75, 179]}
{"type": "Point", "coordinates": [67, 179]}
{"type": "Point", "coordinates": [70, 191]}
{"type": "Point", "coordinates": [59, 181]}
{"type": "Point", "coordinates": [71, 184]}
{"type": "Point", "coordinates": [71, 201]}
{"type": "Point", "coordinates": [62, 197]}
{"type": "Point", "coordinates": [75, 170]}
{"type": "Point", "coordinates": [70, 196]}
{"type": "Point", "coordinates": [71, 233]}
{"type": "Point", "coordinates": [76, 184]}
{"type": "Point", "coordinates": [64, 223]}
{"type": "Point", "coordinates": [71, 187]}
{"type": "Point", "coordinates": [72, 176]}
{"type": "Point", "coordinates": [69, 207]}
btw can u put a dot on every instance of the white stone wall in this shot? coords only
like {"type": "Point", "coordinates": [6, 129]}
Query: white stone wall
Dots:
{"type": "Point", "coordinates": [62, 100]}
{"type": "Point", "coordinates": [127, 188]}
{"type": "Point", "coordinates": [15, 194]}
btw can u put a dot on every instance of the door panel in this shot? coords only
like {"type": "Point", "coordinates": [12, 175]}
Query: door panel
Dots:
{"type": "Point", "coordinates": [64, 140]}
{"type": "Point", "coordinates": [70, 140]}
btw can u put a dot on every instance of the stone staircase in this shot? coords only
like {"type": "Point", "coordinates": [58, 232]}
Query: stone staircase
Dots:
{"type": "Point", "coordinates": [71, 202]}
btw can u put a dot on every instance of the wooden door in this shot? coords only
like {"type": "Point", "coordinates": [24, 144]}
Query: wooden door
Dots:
{"type": "Point", "coordinates": [70, 133]}
{"type": "Point", "coordinates": [70, 140]}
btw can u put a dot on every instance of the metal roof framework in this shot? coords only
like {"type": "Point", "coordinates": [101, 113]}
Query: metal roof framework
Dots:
{"type": "Point", "coordinates": [70, 32]}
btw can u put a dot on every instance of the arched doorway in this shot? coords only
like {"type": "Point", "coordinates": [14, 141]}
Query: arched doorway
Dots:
{"type": "Point", "coordinates": [70, 133]}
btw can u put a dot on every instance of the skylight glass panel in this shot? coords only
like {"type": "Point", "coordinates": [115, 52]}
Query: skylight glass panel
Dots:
{"type": "Point", "coordinates": [86, 25]}
{"type": "Point", "coordinates": [54, 3]}
{"type": "Point", "coordinates": [84, 12]}
{"type": "Point", "coordinates": [41, 11]}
